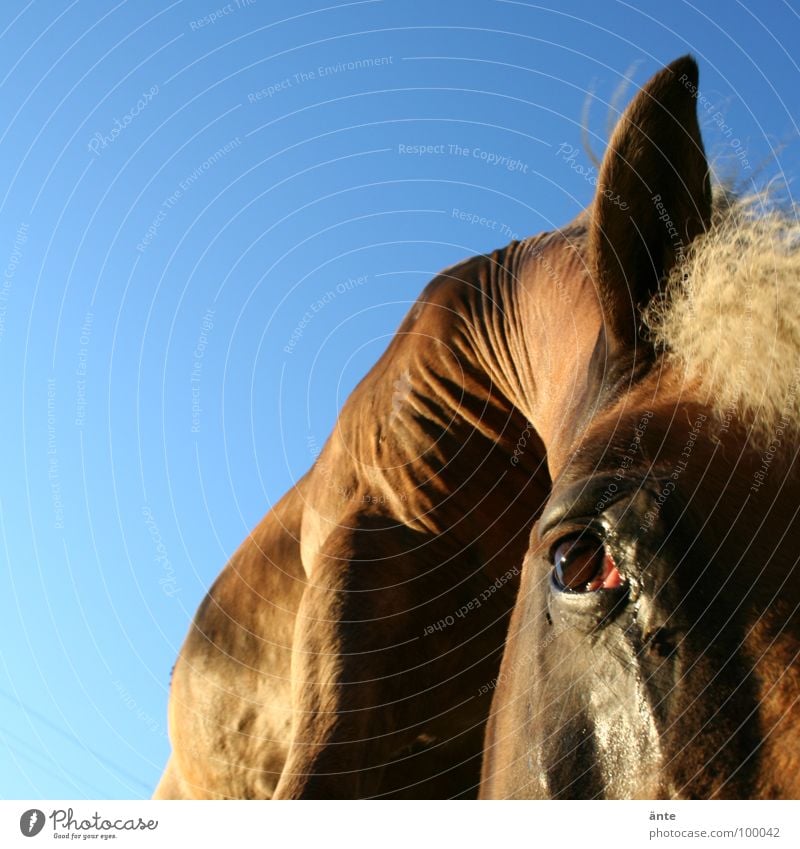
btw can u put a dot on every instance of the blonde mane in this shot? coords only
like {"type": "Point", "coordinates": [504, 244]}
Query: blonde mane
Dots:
{"type": "Point", "coordinates": [730, 316]}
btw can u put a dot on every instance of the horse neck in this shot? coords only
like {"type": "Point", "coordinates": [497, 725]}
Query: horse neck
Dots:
{"type": "Point", "coordinates": [537, 332]}
{"type": "Point", "coordinates": [492, 344]}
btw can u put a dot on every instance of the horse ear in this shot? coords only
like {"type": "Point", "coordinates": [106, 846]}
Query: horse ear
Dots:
{"type": "Point", "coordinates": [653, 196]}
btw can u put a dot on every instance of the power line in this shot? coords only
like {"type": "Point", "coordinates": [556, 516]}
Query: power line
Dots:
{"type": "Point", "coordinates": [74, 740]}
{"type": "Point", "coordinates": [39, 761]}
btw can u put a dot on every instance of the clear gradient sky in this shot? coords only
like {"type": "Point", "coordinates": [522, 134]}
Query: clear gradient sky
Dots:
{"type": "Point", "coordinates": [211, 222]}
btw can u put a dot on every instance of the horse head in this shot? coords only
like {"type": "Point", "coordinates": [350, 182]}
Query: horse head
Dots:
{"type": "Point", "coordinates": [578, 455]}
{"type": "Point", "coordinates": [653, 647]}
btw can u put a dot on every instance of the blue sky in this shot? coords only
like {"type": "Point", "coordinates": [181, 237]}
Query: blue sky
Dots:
{"type": "Point", "coordinates": [211, 222]}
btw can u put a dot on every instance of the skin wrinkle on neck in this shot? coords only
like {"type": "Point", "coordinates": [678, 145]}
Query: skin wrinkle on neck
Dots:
{"type": "Point", "coordinates": [515, 318]}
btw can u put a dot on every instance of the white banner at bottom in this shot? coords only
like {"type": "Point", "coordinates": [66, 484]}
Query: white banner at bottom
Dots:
{"type": "Point", "coordinates": [405, 825]}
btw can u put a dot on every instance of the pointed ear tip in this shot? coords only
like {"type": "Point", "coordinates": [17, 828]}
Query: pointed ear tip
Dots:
{"type": "Point", "coordinates": [675, 84]}
{"type": "Point", "coordinates": [685, 68]}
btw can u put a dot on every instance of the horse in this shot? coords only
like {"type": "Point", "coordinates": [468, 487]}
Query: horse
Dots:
{"type": "Point", "coordinates": [549, 549]}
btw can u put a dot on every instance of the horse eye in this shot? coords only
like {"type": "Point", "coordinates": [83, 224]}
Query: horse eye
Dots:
{"type": "Point", "coordinates": [582, 564]}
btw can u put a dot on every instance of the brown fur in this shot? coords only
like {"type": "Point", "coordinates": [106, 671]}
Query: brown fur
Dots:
{"type": "Point", "coordinates": [330, 660]}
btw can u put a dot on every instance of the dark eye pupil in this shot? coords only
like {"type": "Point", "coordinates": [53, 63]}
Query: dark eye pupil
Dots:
{"type": "Point", "coordinates": [579, 563]}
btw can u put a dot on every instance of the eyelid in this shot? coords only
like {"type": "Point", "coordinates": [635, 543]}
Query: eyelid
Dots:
{"type": "Point", "coordinates": [573, 527]}
{"type": "Point", "coordinates": [578, 500]}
